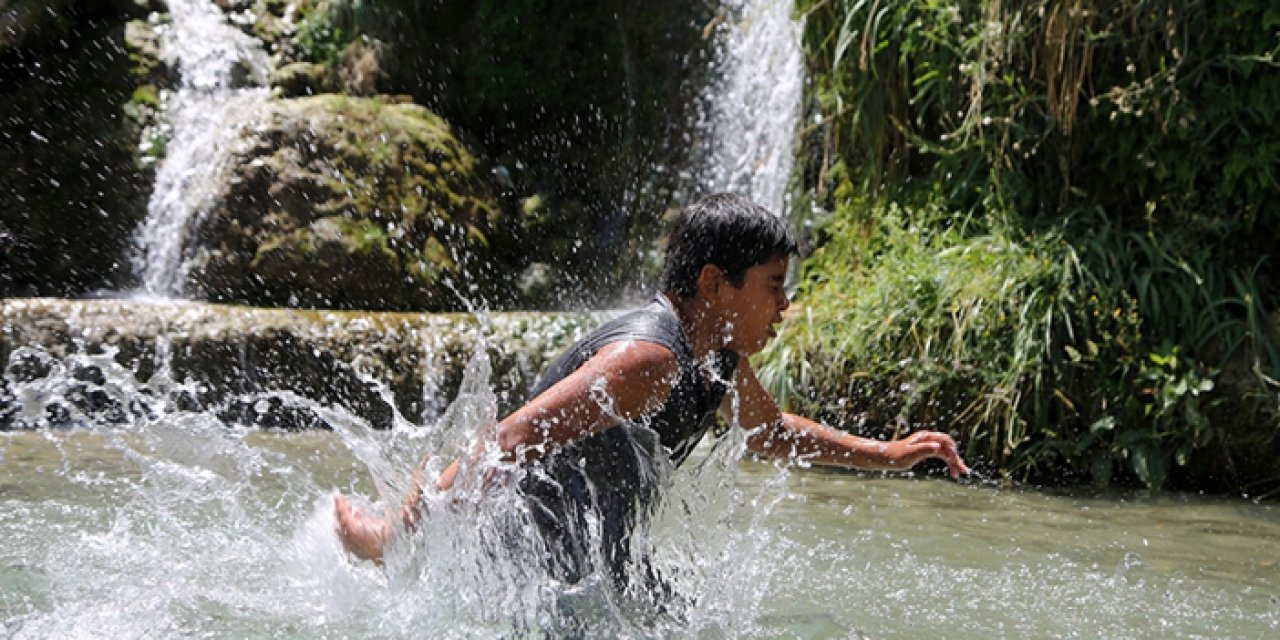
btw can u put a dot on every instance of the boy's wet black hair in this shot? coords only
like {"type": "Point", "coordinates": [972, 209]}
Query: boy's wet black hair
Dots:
{"type": "Point", "coordinates": [728, 231]}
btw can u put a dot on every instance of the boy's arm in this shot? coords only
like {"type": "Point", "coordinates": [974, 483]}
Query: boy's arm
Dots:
{"type": "Point", "coordinates": [778, 434]}
{"type": "Point", "coordinates": [624, 381]}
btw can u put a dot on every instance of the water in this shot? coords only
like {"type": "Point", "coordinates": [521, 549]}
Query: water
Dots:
{"type": "Point", "coordinates": [103, 542]}
{"type": "Point", "coordinates": [223, 84]}
{"type": "Point", "coordinates": [751, 110]}
{"type": "Point", "coordinates": [913, 558]}
{"type": "Point", "coordinates": [168, 522]}
{"type": "Point", "coordinates": [174, 524]}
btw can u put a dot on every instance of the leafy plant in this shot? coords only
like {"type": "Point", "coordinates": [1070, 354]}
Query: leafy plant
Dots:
{"type": "Point", "coordinates": [1045, 226]}
{"type": "Point", "coordinates": [328, 26]}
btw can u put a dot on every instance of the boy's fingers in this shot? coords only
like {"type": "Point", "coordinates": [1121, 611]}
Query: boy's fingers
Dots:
{"type": "Point", "coordinates": [955, 462]}
{"type": "Point", "coordinates": [944, 446]}
{"type": "Point", "coordinates": [348, 518]}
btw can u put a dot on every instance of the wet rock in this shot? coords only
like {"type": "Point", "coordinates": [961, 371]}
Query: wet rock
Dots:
{"type": "Point", "coordinates": [583, 102]}
{"type": "Point", "coordinates": [62, 360]}
{"type": "Point", "coordinates": [361, 67]}
{"type": "Point", "coordinates": [587, 106]}
{"type": "Point", "coordinates": [298, 79]}
{"type": "Point", "coordinates": [352, 203]}
{"type": "Point", "coordinates": [25, 23]}
{"type": "Point", "coordinates": [142, 41]}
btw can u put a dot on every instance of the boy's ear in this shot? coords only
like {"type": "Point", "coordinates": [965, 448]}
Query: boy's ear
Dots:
{"type": "Point", "coordinates": [710, 279]}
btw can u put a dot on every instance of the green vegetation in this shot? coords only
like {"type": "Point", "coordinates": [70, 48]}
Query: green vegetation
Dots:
{"type": "Point", "coordinates": [327, 27]}
{"type": "Point", "coordinates": [1048, 230]}
{"type": "Point", "coordinates": [146, 95]}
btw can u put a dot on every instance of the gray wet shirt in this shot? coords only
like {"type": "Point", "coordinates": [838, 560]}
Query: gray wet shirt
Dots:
{"type": "Point", "coordinates": [612, 474]}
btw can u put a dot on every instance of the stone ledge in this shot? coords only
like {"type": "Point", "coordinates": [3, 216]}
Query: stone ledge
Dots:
{"type": "Point", "coordinates": [220, 358]}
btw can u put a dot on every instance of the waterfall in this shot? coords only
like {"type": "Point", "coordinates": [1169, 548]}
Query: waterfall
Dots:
{"type": "Point", "coordinates": [752, 108]}
{"type": "Point", "coordinates": [223, 81]}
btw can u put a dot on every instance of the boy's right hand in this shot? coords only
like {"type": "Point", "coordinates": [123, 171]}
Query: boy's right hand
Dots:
{"type": "Point", "coordinates": [362, 535]}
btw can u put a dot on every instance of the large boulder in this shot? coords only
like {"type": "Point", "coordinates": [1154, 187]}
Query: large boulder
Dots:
{"type": "Point", "coordinates": [341, 202]}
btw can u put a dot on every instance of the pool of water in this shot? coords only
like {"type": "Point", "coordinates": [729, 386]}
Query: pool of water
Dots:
{"type": "Point", "coordinates": [903, 558]}
{"type": "Point", "coordinates": [194, 529]}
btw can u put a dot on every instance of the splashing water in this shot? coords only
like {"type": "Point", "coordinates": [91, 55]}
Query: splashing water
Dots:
{"type": "Point", "coordinates": [223, 77]}
{"type": "Point", "coordinates": [752, 109]}
{"type": "Point", "coordinates": [160, 521]}
{"type": "Point", "coordinates": [137, 517]}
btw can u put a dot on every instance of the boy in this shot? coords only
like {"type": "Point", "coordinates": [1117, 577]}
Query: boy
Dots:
{"type": "Point", "coordinates": [648, 384]}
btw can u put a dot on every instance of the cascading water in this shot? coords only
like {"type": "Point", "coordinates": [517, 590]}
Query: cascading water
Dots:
{"type": "Point", "coordinates": [751, 109]}
{"type": "Point", "coordinates": [223, 76]}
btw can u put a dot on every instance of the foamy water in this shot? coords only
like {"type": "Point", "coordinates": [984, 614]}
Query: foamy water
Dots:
{"type": "Point", "coordinates": [160, 521]}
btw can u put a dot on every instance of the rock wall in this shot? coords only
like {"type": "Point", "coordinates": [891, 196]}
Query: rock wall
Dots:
{"type": "Point", "coordinates": [72, 189]}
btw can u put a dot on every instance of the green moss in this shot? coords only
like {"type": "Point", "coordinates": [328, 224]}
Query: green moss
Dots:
{"type": "Point", "coordinates": [435, 253]}
{"type": "Point", "coordinates": [146, 95]}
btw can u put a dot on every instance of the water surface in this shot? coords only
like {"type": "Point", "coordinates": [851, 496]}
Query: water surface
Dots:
{"type": "Point", "coordinates": [197, 529]}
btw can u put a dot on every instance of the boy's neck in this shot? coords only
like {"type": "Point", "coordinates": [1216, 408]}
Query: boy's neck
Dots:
{"type": "Point", "coordinates": [700, 325]}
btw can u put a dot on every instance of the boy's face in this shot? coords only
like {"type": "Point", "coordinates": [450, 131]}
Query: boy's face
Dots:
{"type": "Point", "coordinates": [751, 311]}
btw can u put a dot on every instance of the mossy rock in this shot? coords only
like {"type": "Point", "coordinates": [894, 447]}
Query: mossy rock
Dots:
{"type": "Point", "coordinates": [350, 203]}
{"type": "Point", "coordinates": [300, 79]}
{"type": "Point", "coordinates": [576, 103]}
